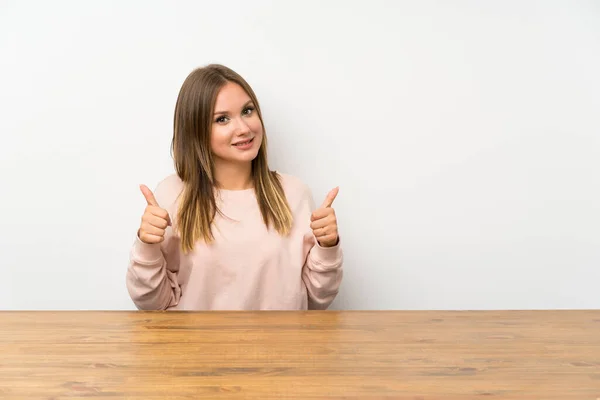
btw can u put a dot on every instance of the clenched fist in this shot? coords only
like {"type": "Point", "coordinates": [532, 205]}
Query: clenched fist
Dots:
{"type": "Point", "coordinates": [154, 221]}
{"type": "Point", "coordinates": [324, 222]}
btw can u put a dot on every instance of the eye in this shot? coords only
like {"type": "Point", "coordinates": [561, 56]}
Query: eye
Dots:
{"type": "Point", "coordinates": [221, 120]}
{"type": "Point", "coordinates": [248, 110]}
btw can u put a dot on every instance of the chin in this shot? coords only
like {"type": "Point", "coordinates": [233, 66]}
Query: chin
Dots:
{"type": "Point", "coordinates": [249, 157]}
{"type": "Point", "coordinates": [246, 157]}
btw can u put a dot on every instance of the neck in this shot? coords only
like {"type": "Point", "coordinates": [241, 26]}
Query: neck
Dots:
{"type": "Point", "coordinates": [230, 176]}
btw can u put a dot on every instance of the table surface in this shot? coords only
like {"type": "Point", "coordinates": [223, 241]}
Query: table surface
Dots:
{"type": "Point", "coordinates": [306, 355]}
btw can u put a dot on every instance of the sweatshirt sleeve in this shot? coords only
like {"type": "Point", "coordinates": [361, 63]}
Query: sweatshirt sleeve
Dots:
{"type": "Point", "coordinates": [151, 277]}
{"type": "Point", "coordinates": [151, 285]}
{"type": "Point", "coordinates": [322, 272]}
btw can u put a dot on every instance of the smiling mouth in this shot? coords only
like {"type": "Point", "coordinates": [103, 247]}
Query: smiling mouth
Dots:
{"type": "Point", "coordinates": [247, 142]}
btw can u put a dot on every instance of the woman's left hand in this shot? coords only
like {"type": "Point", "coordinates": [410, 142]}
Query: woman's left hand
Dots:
{"type": "Point", "coordinates": [324, 223]}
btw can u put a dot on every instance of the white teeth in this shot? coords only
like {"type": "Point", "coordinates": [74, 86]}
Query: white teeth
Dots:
{"type": "Point", "coordinates": [243, 143]}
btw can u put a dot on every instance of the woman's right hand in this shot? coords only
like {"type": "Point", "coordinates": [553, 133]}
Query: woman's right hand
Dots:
{"type": "Point", "coordinates": [154, 221]}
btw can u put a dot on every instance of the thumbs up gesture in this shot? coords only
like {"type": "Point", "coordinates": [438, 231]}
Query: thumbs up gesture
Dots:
{"type": "Point", "coordinates": [154, 221]}
{"type": "Point", "coordinates": [324, 223]}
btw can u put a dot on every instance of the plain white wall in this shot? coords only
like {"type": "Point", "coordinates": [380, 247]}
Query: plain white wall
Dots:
{"type": "Point", "coordinates": [464, 136]}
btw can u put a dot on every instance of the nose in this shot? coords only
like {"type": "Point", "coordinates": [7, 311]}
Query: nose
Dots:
{"type": "Point", "coordinates": [242, 127]}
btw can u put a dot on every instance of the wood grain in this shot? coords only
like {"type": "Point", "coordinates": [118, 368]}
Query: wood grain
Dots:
{"type": "Point", "coordinates": [306, 355]}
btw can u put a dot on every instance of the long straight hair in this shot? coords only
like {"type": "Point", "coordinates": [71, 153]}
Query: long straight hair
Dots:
{"type": "Point", "coordinates": [194, 161]}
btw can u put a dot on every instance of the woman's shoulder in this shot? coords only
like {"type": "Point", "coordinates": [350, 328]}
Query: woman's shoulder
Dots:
{"type": "Point", "coordinates": [168, 190]}
{"type": "Point", "coordinates": [293, 186]}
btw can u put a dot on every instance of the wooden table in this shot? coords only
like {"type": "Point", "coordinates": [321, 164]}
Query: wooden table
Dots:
{"type": "Point", "coordinates": [305, 355]}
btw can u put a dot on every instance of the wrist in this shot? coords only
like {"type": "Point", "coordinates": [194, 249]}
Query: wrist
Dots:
{"type": "Point", "coordinates": [329, 244]}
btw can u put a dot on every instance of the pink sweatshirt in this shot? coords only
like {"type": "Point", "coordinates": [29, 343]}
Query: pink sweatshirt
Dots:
{"type": "Point", "coordinates": [247, 267]}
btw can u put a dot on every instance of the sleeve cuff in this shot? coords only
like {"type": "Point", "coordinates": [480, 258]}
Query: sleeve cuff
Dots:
{"type": "Point", "coordinates": [146, 253]}
{"type": "Point", "coordinates": [328, 257]}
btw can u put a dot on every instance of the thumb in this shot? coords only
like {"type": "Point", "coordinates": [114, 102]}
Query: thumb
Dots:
{"type": "Point", "coordinates": [330, 197]}
{"type": "Point", "coordinates": [148, 195]}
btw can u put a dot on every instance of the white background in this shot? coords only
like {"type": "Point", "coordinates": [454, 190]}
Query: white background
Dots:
{"type": "Point", "coordinates": [464, 136]}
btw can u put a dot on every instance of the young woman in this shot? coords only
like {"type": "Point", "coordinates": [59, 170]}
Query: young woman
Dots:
{"type": "Point", "coordinates": [226, 232]}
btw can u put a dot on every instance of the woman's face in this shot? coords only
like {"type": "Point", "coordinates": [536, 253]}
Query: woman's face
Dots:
{"type": "Point", "coordinates": [236, 129]}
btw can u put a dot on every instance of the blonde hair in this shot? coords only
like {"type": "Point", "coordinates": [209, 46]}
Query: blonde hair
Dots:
{"type": "Point", "coordinates": [194, 160]}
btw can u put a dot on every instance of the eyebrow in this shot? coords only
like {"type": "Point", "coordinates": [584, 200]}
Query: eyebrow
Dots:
{"type": "Point", "coordinates": [225, 112]}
